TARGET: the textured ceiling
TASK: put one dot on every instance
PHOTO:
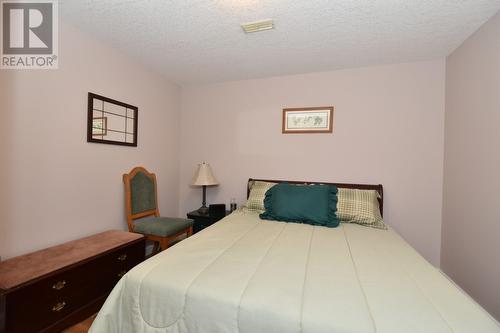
(200, 41)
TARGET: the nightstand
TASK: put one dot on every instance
(202, 221)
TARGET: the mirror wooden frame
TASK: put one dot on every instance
(90, 121)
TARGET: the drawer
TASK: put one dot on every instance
(115, 264)
(126, 257)
(36, 306)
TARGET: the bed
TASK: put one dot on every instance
(244, 274)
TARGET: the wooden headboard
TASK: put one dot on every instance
(377, 188)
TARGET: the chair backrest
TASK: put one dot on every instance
(140, 195)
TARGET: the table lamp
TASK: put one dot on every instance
(204, 177)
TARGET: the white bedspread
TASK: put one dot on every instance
(249, 276)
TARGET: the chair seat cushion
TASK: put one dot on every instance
(161, 226)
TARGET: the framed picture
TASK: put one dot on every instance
(308, 120)
(99, 126)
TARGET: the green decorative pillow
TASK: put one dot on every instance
(258, 191)
(360, 207)
(316, 205)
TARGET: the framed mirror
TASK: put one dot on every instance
(110, 121)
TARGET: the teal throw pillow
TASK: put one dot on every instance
(311, 204)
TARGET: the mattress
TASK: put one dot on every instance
(243, 275)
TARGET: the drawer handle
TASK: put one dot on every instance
(123, 257)
(59, 306)
(121, 274)
(59, 285)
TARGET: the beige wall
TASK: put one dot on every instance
(54, 185)
(388, 129)
(471, 206)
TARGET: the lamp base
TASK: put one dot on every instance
(203, 210)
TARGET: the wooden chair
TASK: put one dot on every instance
(143, 215)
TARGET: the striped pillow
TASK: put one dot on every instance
(360, 207)
(257, 195)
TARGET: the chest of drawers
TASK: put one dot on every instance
(51, 289)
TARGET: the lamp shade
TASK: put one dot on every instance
(204, 176)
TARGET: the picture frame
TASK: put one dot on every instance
(308, 120)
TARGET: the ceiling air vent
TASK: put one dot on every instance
(257, 26)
